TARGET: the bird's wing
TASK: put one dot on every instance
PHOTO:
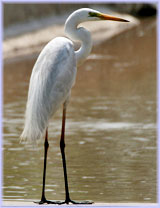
(52, 78)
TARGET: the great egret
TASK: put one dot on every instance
(51, 81)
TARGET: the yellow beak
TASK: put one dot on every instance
(109, 17)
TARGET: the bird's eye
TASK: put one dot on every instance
(93, 14)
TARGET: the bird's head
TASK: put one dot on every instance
(87, 14)
(94, 15)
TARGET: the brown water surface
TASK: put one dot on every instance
(110, 132)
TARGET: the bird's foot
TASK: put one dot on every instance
(68, 201)
(45, 201)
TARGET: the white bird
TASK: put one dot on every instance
(51, 81)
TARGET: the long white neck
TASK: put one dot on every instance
(80, 34)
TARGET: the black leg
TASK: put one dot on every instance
(43, 198)
(46, 146)
(62, 147)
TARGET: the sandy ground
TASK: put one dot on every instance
(29, 203)
(32, 41)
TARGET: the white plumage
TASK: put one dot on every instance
(52, 78)
(54, 72)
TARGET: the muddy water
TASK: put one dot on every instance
(111, 127)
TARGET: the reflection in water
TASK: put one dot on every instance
(110, 130)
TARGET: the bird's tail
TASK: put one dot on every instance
(35, 124)
(31, 135)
